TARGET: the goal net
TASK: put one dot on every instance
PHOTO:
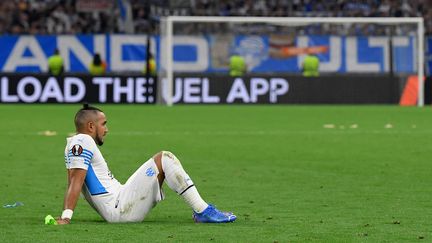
(348, 48)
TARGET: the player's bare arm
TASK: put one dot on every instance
(75, 182)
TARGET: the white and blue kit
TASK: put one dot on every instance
(113, 201)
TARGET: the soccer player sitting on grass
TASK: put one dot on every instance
(88, 172)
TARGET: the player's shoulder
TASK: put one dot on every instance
(81, 138)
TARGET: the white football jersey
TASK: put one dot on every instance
(100, 186)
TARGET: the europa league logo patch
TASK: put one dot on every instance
(77, 150)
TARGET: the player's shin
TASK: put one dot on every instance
(179, 181)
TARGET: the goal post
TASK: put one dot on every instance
(167, 31)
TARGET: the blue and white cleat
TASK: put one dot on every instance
(212, 215)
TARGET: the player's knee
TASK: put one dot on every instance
(167, 155)
(165, 159)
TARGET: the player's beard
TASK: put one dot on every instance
(99, 141)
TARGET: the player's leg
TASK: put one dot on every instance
(158, 161)
(179, 181)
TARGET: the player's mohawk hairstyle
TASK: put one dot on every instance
(87, 107)
(82, 115)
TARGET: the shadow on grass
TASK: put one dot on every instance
(146, 221)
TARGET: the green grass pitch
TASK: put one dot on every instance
(290, 173)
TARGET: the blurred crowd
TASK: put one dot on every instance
(53, 17)
(70, 17)
(323, 8)
(311, 8)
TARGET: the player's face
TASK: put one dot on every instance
(101, 128)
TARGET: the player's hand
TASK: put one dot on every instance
(61, 221)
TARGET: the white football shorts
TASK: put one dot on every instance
(138, 195)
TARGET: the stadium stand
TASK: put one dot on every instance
(67, 17)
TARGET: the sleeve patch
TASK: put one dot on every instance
(77, 150)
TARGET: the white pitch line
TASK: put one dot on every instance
(264, 133)
(239, 133)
